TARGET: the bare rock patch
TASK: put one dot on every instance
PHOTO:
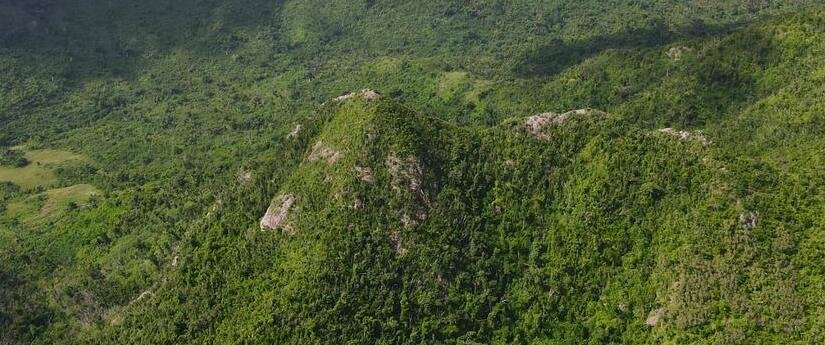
(344, 97)
(407, 180)
(365, 174)
(749, 220)
(655, 316)
(370, 95)
(367, 94)
(245, 176)
(395, 239)
(325, 153)
(295, 131)
(407, 174)
(686, 135)
(143, 295)
(277, 213)
(675, 53)
(536, 125)
(408, 221)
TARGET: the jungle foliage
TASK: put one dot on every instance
(433, 213)
(13, 158)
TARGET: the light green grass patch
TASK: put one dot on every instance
(49, 203)
(59, 198)
(39, 171)
(24, 208)
(48, 156)
(452, 83)
(386, 64)
(28, 177)
(7, 239)
(478, 89)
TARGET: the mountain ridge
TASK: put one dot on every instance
(473, 198)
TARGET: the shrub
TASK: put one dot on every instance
(13, 158)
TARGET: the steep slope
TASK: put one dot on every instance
(552, 227)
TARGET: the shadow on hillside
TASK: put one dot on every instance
(557, 55)
(112, 36)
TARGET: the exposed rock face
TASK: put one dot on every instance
(407, 221)
(686, 135)
(295, 131)
(364, 174)
(367, 94)
(676, 53)
(322, 152)
(143, 295)
(407, 174)
(654, 317)
(358, 204)
(277, 213)
(408, 182)
(537, 124)
(344, 97)
(749, 220)
(245, 176)
(395, 239)
(370, 95)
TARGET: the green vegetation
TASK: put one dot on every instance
(441, 211)
(13, 158)
(38, 167)
(33, 192)
(50, 202)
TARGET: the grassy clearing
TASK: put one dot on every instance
(39, 171)
(462, 86)
(478, 89)
(57, 199)
(28, 177)
(48, 156)
(24, 208)
(452, 83)
(49, 203)
(386, 64)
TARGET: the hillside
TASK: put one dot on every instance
(425, 231)
(525, 172)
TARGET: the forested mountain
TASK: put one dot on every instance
(381, 171)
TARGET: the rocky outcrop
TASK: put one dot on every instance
(364, 174)
(655, 316)
(686, 135)
(749, 220)
(675, 53)
(245, 176)
(295, 131)
(322, 152)
(536, 125)
(407, 175)
(277, 213)
(367, 94)
(395, 239)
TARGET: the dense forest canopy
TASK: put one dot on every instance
(382, 171)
